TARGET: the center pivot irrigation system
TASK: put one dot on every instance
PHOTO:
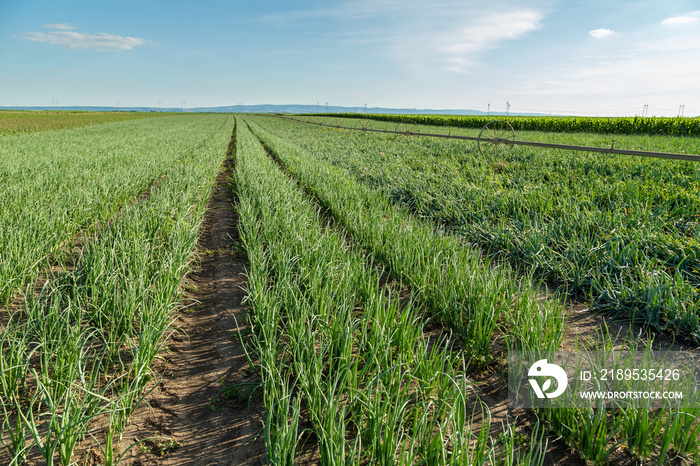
(499, 135)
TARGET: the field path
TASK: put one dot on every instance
(198, 420)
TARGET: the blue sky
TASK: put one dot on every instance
(573, 57)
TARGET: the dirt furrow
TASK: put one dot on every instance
(205, 409)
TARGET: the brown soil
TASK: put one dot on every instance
(206, 408)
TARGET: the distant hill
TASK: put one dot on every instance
(298, 108)
(269, 108)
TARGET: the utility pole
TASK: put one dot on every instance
(507, 108)
(326, 107)
(488, 109)
(645, 110)
(365, 107)
(681, 110)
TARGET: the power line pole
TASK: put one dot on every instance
(681, 110)
(645, 110)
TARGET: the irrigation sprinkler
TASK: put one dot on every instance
(363, 124)
(496, 136)
(408, 128)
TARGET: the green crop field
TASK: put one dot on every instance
(621, 232)
(387, 279)
(618, 233)
(82, 346)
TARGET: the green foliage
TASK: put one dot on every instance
(330, 338)
(56, 184)
(620, 232)
(93, 330)
(669, 126)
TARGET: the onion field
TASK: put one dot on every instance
(622, 232)
(461, 230)
(387, 279)
(80, 346)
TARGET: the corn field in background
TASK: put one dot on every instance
(667, 126)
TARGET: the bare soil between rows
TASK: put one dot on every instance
(204, 408)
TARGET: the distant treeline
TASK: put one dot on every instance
(676, 126)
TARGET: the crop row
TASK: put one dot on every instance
(368, 215)
(55, 184)
(459, 287)
(82, 348)
(330, 337)
(671, 126)
(623, 232)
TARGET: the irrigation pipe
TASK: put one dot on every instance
(511, 142)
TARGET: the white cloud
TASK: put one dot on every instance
(452, 35)
(679, 20)
(642, 68)
(462, 47)
(601, 33)
(60, 26)
(440, 35)
(101, 41)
